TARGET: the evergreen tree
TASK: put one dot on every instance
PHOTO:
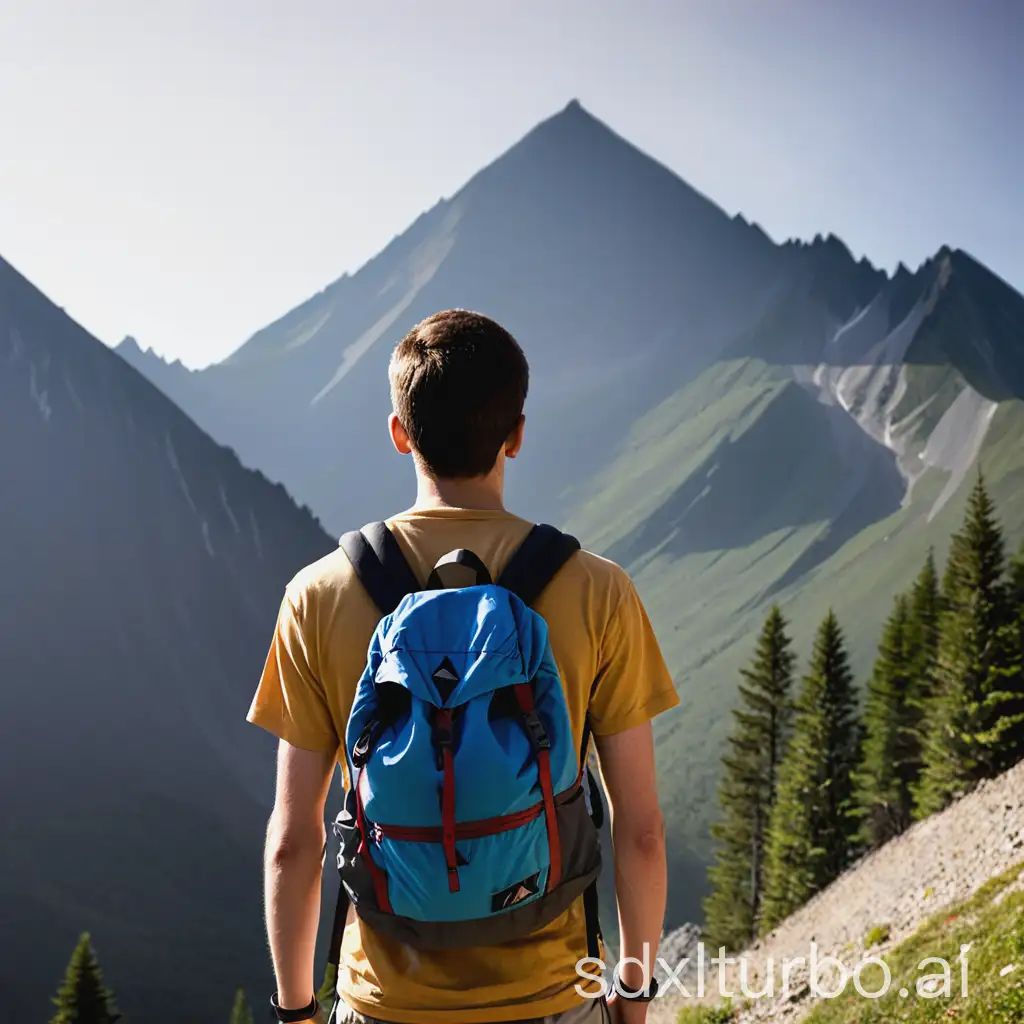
(891, 749)
(923, 631)
(1014, 751)
(924, 618)
(747, 790)
(812, 836)
(1017, 582)
(1017, 585)
(975, 715)
(83, 998)
(240, 1012)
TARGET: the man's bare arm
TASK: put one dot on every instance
(638, 838)
(292, 869)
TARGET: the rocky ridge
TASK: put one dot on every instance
(939, 862)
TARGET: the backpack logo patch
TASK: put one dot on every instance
(516, 893)
(445, 678)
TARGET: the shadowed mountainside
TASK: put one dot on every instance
(142, 570)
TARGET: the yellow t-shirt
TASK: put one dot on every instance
(609, 663)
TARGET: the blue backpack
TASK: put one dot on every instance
(465, 822)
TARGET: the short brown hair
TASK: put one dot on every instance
(458, 386)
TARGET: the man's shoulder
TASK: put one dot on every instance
(602, 583)
(601, 570)
(330, 574)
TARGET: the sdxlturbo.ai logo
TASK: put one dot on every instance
(825, 977)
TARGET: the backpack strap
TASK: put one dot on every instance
(539, 558)
(591, 912)
(545, 550)
(380, 565)
(381, 568)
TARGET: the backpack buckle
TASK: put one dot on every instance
(364, 745)
(536, 731)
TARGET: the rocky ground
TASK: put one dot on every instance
(890, 893)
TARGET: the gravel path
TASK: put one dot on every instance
(938, 862)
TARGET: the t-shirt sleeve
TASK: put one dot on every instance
(633, 683)
(290, 701)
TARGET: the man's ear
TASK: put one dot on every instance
(399, 437)
(515, 439)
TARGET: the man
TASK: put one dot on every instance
(458, 387)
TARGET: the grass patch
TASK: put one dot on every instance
(991, 923)
(877, 935)
(722, 1014)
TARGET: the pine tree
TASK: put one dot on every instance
(747, 790)
(1017, 584)
(1014, 750)
(240, 1012)
(891, 751)
(812, 836)
(975, 714)
(923, 631)
(83, 998)
(925, 609)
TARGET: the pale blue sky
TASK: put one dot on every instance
(187, 170)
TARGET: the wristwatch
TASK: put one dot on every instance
(641, 995)
(294, 1016)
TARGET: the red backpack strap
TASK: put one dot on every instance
(541, 746)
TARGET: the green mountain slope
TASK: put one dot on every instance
(746, 488)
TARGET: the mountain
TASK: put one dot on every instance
(812, 465)
(617, 277)
(142, 570)
(734, 420)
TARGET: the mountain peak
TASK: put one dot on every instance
(128, 344)
(574, 158)
(574, 111)
(573, 119)
(146, 360)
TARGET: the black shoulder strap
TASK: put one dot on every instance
(380, 565)
(534, 565)
(338, 927)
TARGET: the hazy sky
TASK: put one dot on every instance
(188, 170)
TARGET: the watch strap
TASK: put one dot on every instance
(295, 1016)
(642, 995)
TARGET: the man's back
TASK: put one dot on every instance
(609, 665)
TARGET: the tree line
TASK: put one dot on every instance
(83, 997)
(812, 781)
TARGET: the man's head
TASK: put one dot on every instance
(458, 385)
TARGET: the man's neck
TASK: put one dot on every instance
(482, 492)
